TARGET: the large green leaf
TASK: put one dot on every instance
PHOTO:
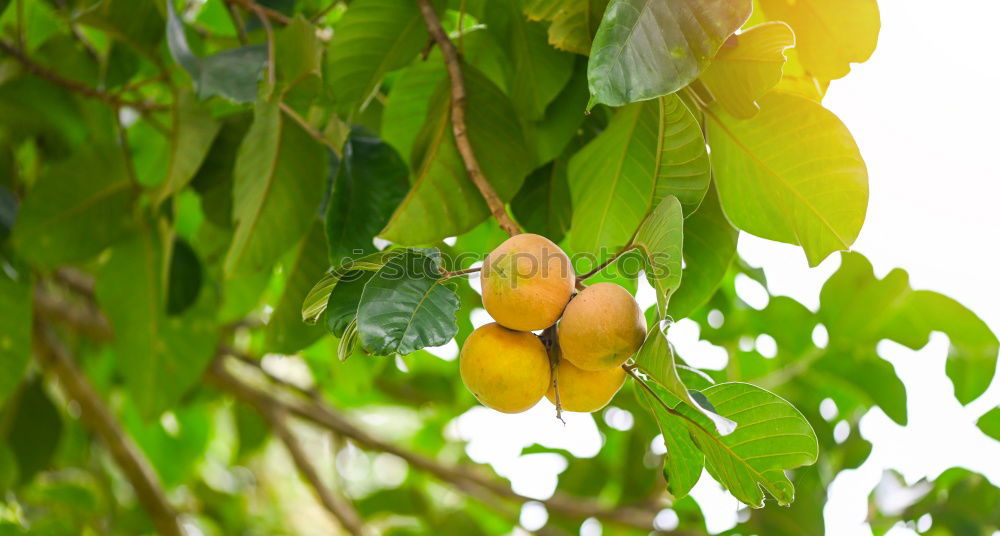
(15, 328)
(539, 71)
(231, 73)
(150, 346)
(656, 360)
(32, 427)
(373, 38)
(771, 437)
(371, 182)
(747, 66)
(74, 211)
(406, 107)
(661, 240)
(709, 250)
(551, 135)
(647, 48)
(649, 151)
(286, 332)
(406, 306)
(792, 173)
(192, 135)
(574, 22)
(317, 298)
(829, 36)
(278, 185)
(440, 180)
(683, 462)
(543, 204)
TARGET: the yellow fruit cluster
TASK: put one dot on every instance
(528, 285)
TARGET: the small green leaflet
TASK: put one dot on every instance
(661, 240)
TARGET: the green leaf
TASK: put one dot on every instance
(174, 452)
(139, 24)
(349, 342)
(374, 38)
(439, 178)
(316, 300)
(286, 333)
(371, 182)
(231, 73)
(32, 428)
(149, 345)
(72, 213)
(15, 328)
(656, 359)
(543, 204)
(771, 437)
(649, 151)
(342, 307)
(539, 71)
(406, 306)
(829, 37)
(574, 22)
(747, 66)
(192, 135)
(661, 239)
(972, 358)
(214, 180)
(877, 385)
(297, 53)
(989, 423)
(683, 462)
(792, 173)
(647, 48)
(552, 133)
(408, 103)
(709, 250)
(185, 278)
(278, 185)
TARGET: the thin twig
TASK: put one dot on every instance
(56, 359)
(266, 21)
(445, 274)
(458, 103)
(341, 509)
(77, 87)
(317, 135)
(606, 263)
(271, 14)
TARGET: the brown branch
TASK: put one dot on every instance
(463, 478)
(606, 263)
(77, 87)
(445, 274)
(458, 126)
(271, 14)
(341, 509)
(56, 359)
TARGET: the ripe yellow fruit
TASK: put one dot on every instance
(506, 370)
(585, 390)
(527, 282)
(601, 327)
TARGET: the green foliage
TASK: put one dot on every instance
(190, 188)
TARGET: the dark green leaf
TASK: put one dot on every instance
(231, 73)
(543, 205)
(33, 429)
(342, 308)
(73, 213)
(406, 306)
(184, 283)
(278, 184)
(316, 300)
(647, 48)
(371, 182)
(15, 328)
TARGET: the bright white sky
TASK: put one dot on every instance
(924, 111)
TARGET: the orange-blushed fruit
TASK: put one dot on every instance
(506, 370)
(527, 281)
(601, 327)
(585, 390)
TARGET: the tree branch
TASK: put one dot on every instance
(341, 509)
(56, 359)
(78, 87)
(458, 126)
(272, 14)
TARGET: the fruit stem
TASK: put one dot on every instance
(552, 347)
(445, 274)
